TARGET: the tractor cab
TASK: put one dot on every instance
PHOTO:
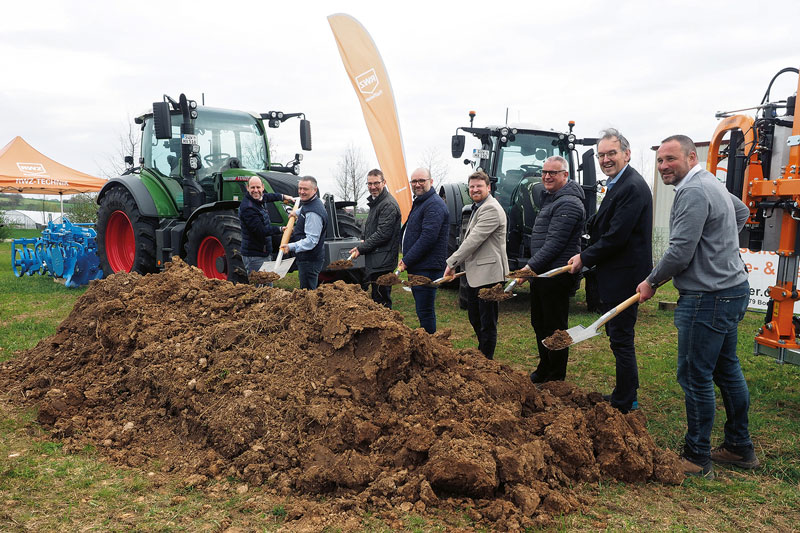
(513, 158)
(225, 140)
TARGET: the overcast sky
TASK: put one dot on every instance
(73, 73)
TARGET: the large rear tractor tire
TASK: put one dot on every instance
(126, 240)
(214, 245)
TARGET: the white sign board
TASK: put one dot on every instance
(762, 267)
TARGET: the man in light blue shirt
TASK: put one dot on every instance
(308, 239)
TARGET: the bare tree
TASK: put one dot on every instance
(432, 159)
(129, 145)
(351, 174)
(82, 208)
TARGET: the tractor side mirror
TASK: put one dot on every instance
(128, 160)
(305, 134)
(457, 145)
(162, 122)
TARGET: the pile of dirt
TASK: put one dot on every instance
(262, 278)
(340, 264)
(387, 280)
(522, 273)
(494, 293)
(415, 280)
(559, 340)
(321, 392)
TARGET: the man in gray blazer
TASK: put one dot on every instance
(483, 256)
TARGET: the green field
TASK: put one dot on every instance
(44, 489)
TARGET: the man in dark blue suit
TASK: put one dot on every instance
(425, 244)
(621, 252)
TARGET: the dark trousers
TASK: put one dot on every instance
(483, 317)
(549, 312)
(620, 331)
(425, 300)
(380, 294)
(308, 273)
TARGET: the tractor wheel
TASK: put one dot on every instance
(463, 299)
(348, 226)
(214, 245)
(126, 240)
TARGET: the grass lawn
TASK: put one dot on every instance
(44, 489)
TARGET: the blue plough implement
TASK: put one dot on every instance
(65, 250)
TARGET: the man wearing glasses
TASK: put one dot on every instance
(483, 255)
(425, 244)
(381, 244)
(555, 238)
(620, 251)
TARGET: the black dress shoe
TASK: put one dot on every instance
(536, 378)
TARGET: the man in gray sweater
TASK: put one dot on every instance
(704, 262)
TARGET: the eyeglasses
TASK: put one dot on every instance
(553, 173)
(610, 154)
(373, 183)
(419, 182)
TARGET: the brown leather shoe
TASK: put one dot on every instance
(695, 470)
(723, 455)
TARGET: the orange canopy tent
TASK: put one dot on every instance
(23, 169)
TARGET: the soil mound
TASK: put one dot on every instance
(319, 392)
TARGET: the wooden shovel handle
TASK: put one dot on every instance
(617, 310)
(559, 270)
(287, 232)
(622, 306)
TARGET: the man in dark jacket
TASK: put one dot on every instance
(308, 239)
(425, 244)
(621, 251)
(556, 237)
(381, 243)
(257, 231)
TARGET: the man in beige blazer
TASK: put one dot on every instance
(482, 255)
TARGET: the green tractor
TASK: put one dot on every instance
(513, 159)
(183, 198)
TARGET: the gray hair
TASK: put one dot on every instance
(687, 145)
(312, 179)
(558, 159)
(614, 134)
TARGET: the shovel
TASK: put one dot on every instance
(279, 266)
(342, 264)
(439, 281)
(393, 281)
(549, 274)
(559, 341)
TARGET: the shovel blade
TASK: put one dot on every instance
(579, 334)
(280, 269)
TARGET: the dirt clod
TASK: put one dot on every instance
(262, 278)
(523, 273)
(319, 393)
(340, 264)
(559, 340)
(415, 280)
(389, 279)
(494, 294)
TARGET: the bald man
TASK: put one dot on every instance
(257, 231)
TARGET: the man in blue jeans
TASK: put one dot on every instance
(425, 244)
(704, 262)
